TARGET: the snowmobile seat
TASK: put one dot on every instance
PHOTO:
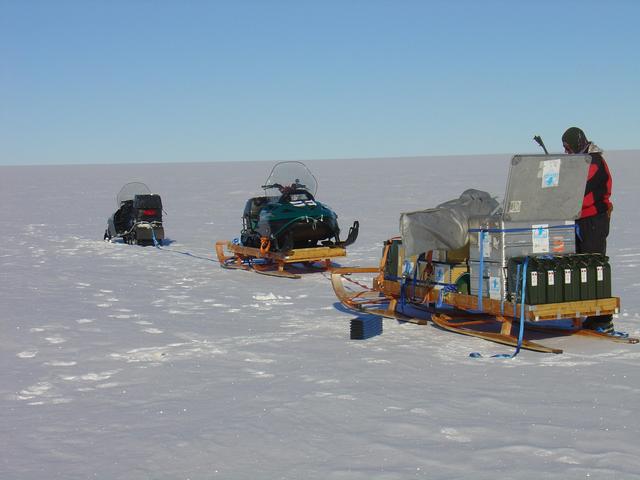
(253, 207)
(122, 219)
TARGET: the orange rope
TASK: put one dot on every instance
(358, 283)
(265, 245)
(428, 270)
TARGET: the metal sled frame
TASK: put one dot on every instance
(153, 234)
(493, 320)
(271, 263)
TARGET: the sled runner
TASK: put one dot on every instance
(277, 264)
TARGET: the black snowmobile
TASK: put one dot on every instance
(288, 216)
(138, 220)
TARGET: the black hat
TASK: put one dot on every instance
(575, 139)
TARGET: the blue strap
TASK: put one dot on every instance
(481, 275)
(403, 284)
(414, 282)
(155, 241)
(515, 300)
(446, 288)
(578, 234)
(403, 294)
(522, 318)
(440, 298)
(523, 229)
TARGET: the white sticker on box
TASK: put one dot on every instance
(551, 173)
(600, 273)
(494, 288)
(534, 279)
(439, 272)
(486, 246)
(407, 268)
(540, 238)
(567, 276)
(515, 206)
(551, 277)
(583, 275)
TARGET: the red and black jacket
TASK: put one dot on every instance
(598, 190)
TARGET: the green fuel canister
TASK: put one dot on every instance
(536, 282)
(587, 277)
(570, 278)
(603, 276)
(553, 277)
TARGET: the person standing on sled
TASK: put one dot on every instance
(593, 224)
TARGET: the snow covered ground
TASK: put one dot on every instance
(126, 362)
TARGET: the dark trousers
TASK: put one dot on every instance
(591, 237)
(592, 233)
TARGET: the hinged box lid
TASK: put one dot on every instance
(549, 187)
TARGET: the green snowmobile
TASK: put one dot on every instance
(288, 216)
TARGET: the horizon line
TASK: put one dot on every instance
(399, 157)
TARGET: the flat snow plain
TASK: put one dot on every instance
(126, 362)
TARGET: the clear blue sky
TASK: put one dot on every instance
(117, 81)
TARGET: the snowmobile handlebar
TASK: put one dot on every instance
(282, 189)
(274, 185)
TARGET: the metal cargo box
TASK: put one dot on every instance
(505, 240)
(493, 279)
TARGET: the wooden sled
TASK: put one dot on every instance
(278, 264)
(492, 320)
(367, 300)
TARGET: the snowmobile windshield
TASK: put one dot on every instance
(290, 176)
(130, 190)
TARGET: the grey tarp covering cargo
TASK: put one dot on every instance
(446, 226)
